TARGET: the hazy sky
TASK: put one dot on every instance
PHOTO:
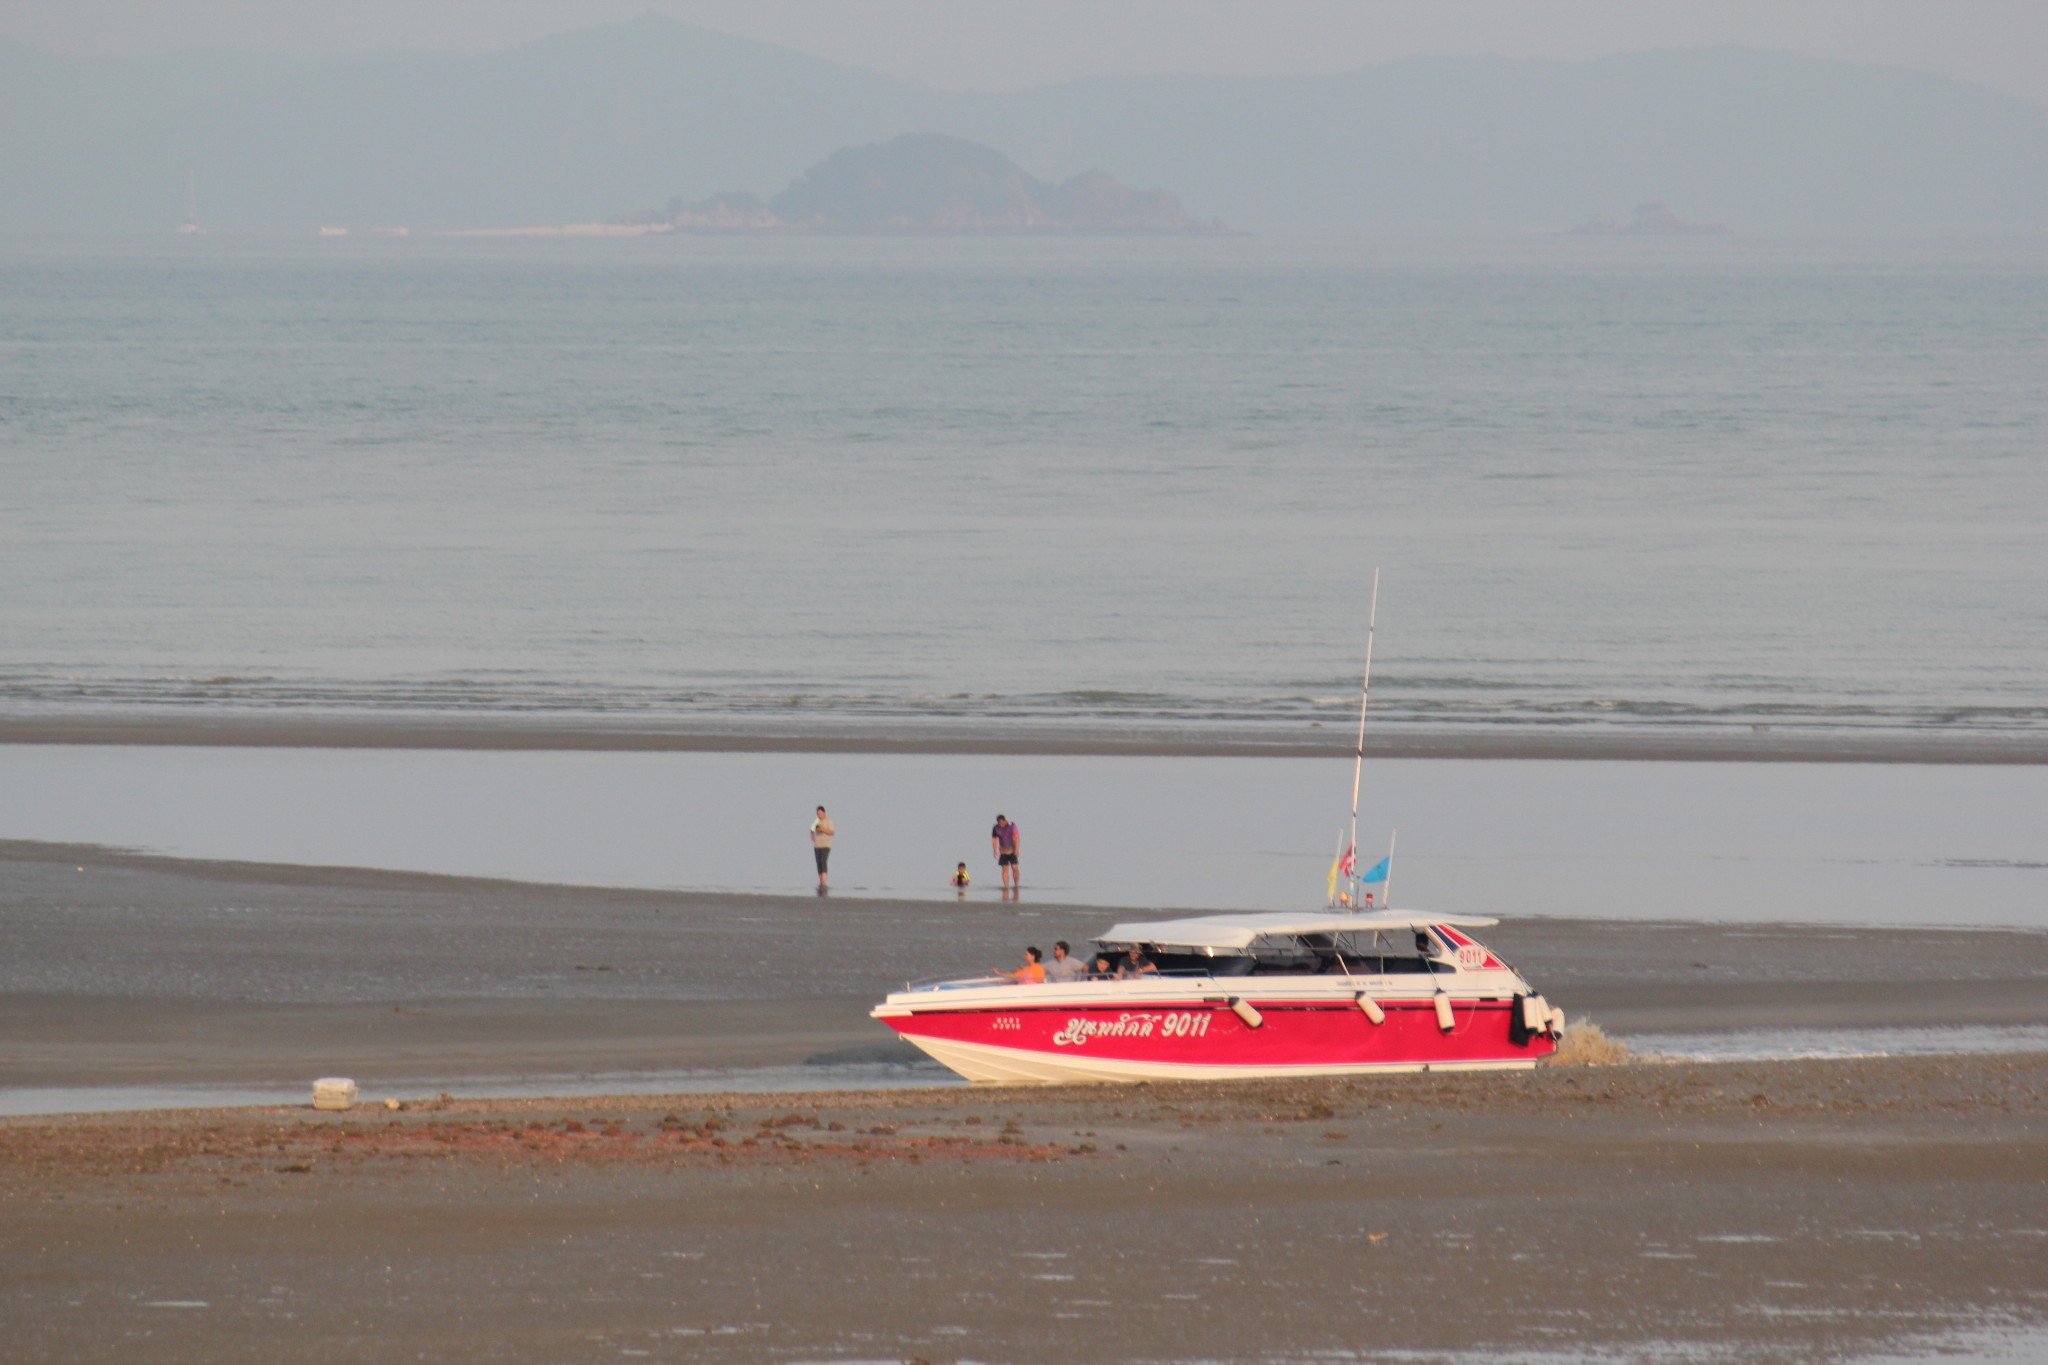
(1009, 44)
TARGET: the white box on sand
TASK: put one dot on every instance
(334, 1092)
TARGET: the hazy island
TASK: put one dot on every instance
(931, 183)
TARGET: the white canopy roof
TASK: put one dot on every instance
(1238, 931)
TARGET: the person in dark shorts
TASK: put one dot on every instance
(821, 843)
(1003, 841)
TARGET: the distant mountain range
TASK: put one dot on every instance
(601, 122)
(931, 183)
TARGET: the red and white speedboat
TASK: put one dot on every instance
(1250, 995)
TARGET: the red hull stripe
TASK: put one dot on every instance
(1209, 1035)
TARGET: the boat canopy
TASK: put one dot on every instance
(1241, 931)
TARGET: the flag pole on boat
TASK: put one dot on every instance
(1337, 868)
(1358, 765)
(1387, 881)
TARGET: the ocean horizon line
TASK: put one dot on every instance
(1389, 738)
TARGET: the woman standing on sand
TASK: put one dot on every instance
(821, 844)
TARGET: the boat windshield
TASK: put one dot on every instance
(1375, 952)
(1360, 954)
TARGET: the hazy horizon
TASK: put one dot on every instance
(615, 119)
(999, 46)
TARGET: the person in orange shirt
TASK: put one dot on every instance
(1032, 973)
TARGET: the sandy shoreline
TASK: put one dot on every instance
(947, 737)
(120, 968)
(1781, 1212)
(1786, 1211)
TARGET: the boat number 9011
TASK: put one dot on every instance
(1171, 1025)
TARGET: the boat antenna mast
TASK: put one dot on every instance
(1358, 763)
(1387, 882)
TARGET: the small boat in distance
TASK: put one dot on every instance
(191, 227)
(1332, 993)
(1253, 995)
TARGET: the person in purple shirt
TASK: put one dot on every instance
(1003, 841)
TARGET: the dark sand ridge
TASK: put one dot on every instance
(122, 968)
(1705, 743)
(1804, 1211)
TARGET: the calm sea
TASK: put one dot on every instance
(1611, 482)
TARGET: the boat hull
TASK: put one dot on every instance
(1213, 1041)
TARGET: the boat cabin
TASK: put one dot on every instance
(1386, 943)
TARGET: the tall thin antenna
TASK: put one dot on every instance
(1387, 882)
(1358, 766)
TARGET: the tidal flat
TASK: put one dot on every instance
(1790, 1211)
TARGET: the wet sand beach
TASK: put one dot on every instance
(1798, 1211)
(123, 969)
(1794, 1211)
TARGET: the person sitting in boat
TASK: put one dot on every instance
(1134, 964)
(1032, 973)
(1064, 968)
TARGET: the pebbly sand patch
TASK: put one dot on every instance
(1762, 1212)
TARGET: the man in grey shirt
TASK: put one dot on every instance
(1064, 966)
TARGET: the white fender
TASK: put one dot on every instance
(1371, 1008)
(334, 1092)
(1243, 1010)
(1443, 1013)
(1535, 1014)
(1557, 1022)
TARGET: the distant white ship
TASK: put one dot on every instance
(333, 232)
(191, 227)
(390, 232)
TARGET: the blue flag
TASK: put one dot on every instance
(1378, 871)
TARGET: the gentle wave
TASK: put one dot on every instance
(1085, 484)
(32, 695)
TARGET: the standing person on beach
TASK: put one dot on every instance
(821, 844)
(1003, 841)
